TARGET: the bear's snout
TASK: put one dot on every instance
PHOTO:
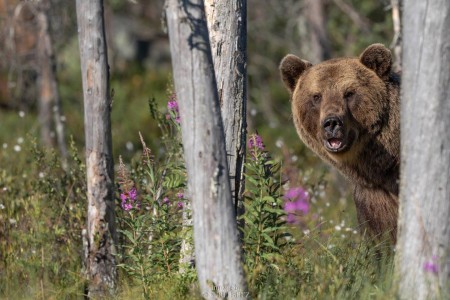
(332, 125)
(335, 135)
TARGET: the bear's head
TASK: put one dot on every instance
(339, 104)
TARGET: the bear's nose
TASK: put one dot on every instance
(330, 124)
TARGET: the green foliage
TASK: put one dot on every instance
(264, 233)
(43, 207)
(152, 232)
(42, 214)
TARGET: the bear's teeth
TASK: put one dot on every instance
(335, 143)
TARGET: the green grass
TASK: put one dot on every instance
(44, 211)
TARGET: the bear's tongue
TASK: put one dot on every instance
(335, 143)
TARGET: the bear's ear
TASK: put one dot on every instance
(291, 67)
(377, 58)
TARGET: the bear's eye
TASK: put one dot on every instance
(317, 98)
(349, 94)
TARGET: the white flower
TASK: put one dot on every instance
(129, 146)
(279, 143)
(5, 145)
(20, 140)
(21, 114)
(2, 206)
(17, 148)
(337, 227)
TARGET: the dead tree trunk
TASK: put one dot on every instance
(49, 100)
(423, 256)
(101, 235)
(227, 27)
(396, 6)
(217, 250)
(318, 47)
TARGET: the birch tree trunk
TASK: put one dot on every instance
(101, 235)
(423, 250)
(217, 250)
(227, 27)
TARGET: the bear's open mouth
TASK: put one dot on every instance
(335, 144)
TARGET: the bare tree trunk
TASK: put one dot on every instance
(227, 27)
(396, 6)
(217, 250)
(49, 99)
(101, 234)
(317, 48)
(423, 259)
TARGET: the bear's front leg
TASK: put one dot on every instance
(377, 211)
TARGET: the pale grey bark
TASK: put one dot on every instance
(316, 45)
(423, 249)
(227, 27)
(101, 235)
(396, 6)
(49, 99)
(217, 250)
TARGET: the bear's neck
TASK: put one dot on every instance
(378, 164)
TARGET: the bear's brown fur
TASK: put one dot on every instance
(347, 111)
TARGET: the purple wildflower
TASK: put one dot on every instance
(180, 195)
(166, 200)
(129, 199)
(172, 105)
(180, 205)
(255, 141)
(431, 266)
(296, 201)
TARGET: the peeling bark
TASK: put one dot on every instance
(101, 233)
(227, 27)
(217, 249)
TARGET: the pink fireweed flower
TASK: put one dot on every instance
(172, 105)
(255, 143)
(431, 266)
(296, 201)
(129, 200)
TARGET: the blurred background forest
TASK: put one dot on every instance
(140, 67)
(140, 70)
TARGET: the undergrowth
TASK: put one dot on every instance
(297, 245)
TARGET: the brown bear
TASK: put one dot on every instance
(347, 111)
